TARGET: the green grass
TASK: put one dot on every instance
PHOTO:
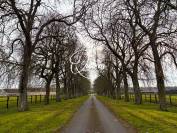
(146, 118)
(40, 118)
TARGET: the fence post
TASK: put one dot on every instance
(35, 98)
(150, 98)
(7, 104)
(130, 96)
(17, 100)
(170, 99)
(155, 98)
(40, 98)
(31, 98)
(145, 97)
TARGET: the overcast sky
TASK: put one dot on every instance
(66, 7)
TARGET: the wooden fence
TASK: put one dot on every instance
(12, 101)
(171, 99)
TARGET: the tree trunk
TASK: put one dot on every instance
(112, 90)
(113, 93)
(125, 86)
(58, 98)
(118, 90)
(138, 96)
(118, 82)
(23, 101)
(69, 92)
(159, 77)
(47, 95)
(65, 88)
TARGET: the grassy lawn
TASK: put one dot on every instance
(147, 118)
(40, 118)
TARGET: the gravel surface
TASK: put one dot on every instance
(94, 117)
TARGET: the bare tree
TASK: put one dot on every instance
(151, 27)
(29, 25)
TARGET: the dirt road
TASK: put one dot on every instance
(94, 117)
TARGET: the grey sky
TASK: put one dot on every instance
(65, 7)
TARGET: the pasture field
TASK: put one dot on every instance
(146, 118)
(40, 118)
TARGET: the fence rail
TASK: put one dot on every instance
(171, 99)
(12, 101)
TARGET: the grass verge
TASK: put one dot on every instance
(146, 118)
(40, 118)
